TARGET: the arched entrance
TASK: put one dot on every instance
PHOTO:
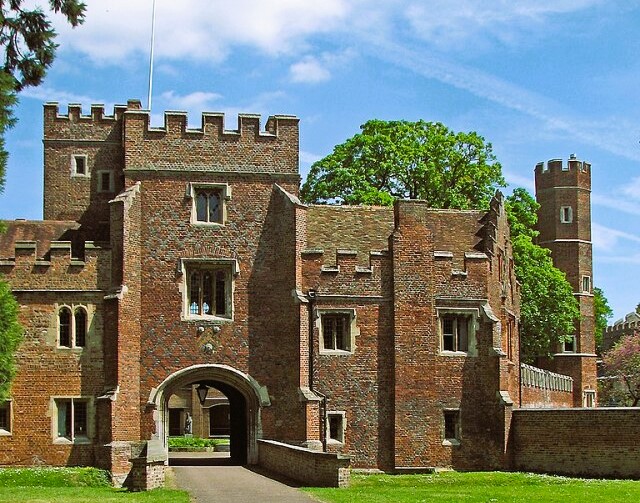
(246, 398)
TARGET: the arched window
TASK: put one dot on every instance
(80, 326)
(64, 327)
(72, 327)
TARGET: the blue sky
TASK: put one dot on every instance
(538, 79)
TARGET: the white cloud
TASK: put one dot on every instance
(48, 94)
(309, 70)
(616, 203)
(607, 239)
(632, 189)
(197, 29)
(314, 69)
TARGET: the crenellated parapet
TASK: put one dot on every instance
(211, 147)
(58, 265)
(460, 276)
(346, 274)
(74, 125)
(558, 173)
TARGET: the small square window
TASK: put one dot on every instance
(586, 284)
(105, 181)
(79, 166)
(336, 426)
(569, 345)
(208, 202)
(71, 419)
(452, 426)
(457, 331)
(337, 330)
(566, 214)
(5, 417)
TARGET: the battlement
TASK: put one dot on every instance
(556, 166)
(346, 261)
(55, 252)
(74, 112)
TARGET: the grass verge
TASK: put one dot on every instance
(46, 484)
(493, 487)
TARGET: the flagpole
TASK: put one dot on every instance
(153, 33)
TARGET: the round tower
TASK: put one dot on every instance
(563, 190)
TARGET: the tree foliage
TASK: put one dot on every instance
(548, 308)
(622, 366)
(391, 160)
(602, 313)
(10, 338)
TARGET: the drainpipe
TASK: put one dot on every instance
(312, 296)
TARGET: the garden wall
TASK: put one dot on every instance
(595, 442)
(313, 468)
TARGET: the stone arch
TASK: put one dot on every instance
(244, 392)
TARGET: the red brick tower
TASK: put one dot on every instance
(563, 191)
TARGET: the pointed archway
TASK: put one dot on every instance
(246, 399)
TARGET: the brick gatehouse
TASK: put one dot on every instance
(171, 259)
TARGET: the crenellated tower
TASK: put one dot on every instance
(563, 190)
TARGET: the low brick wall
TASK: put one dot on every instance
(312, 468)
(598, 442)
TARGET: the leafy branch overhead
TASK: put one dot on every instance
(27, 38)
(391, 160)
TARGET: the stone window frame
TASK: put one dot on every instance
(351, 328)
(6, 410)
(100, 175)
(472, 315)
(451, 427)
(85, 163)
(566, 214)
(341, 417)
(72, 437)
(589, 398)
(230, 268)
(191, 192)
(74, 333)
(569, 344)
(586, 284)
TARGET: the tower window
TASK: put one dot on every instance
(105, 181)
(452, 427)
(209, 291)
(336, 427)
(586, 284)
(208, 202)
(72, 327)
(79, 166)
(566, 214)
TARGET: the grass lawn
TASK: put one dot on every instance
(486, 487)
(39, 485)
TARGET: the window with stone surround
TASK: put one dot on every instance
(337, 330)
(208, 202)
(566, 214)
(589, 398)
(72, 327)
(5, 417)
(457, 331)
(79, 165)
(586, 284)
(451, 427)
(71, 420)
(336, 426)
(209, 290)
(105, 181)
(569, 344)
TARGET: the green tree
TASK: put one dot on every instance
(602, 312)
(27, 41)
(548, 307)
(10, 338)
(391, 160)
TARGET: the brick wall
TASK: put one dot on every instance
(313, 468)
(579, 442)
